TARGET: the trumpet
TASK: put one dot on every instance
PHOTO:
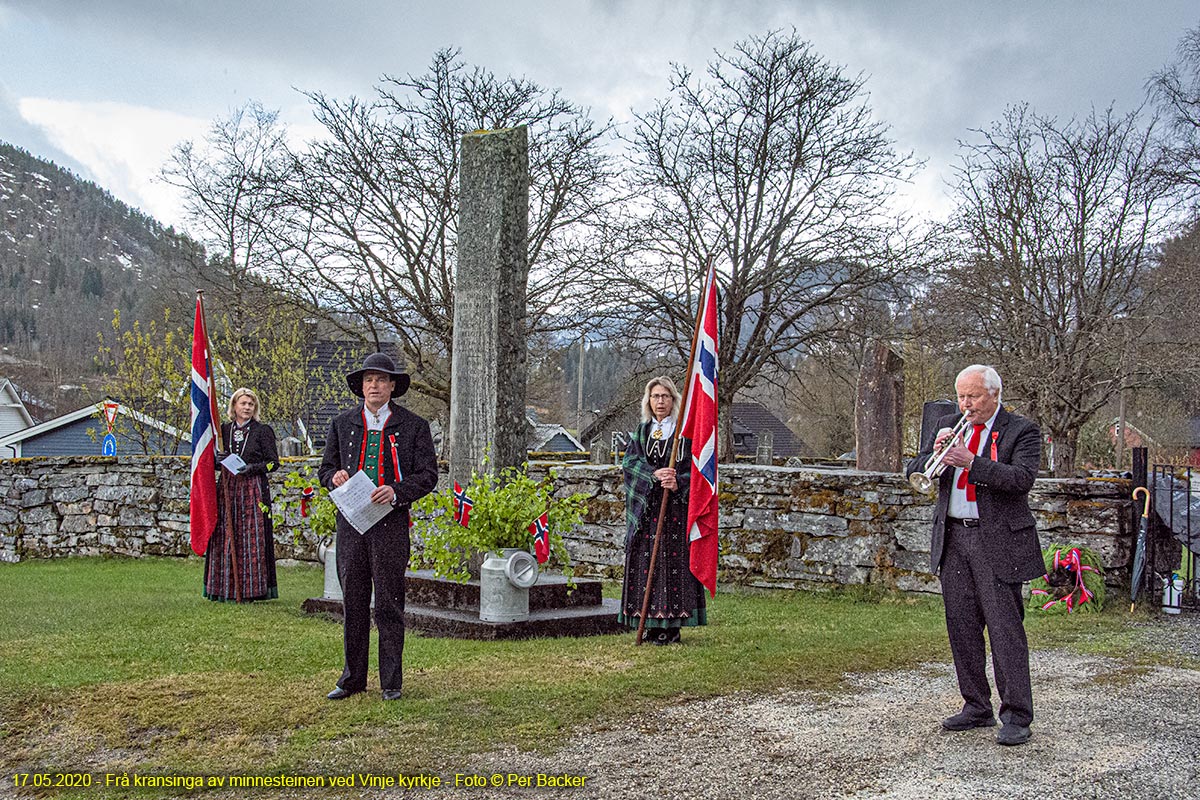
(925, 482)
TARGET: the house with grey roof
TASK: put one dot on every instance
(751, 420)
(82, 433)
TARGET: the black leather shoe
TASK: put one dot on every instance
(391, 694)
(341, 694)
(1011, 733)
(962, 721)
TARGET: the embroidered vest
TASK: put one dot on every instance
(371, 450)
(370, 454)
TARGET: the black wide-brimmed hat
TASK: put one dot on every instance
(378, 362)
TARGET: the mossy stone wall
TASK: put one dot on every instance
(780, 527)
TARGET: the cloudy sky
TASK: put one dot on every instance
(108, 87)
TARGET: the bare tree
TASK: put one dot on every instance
(1057, 226)
(1173, 314)
(374, 205)
(274, 356)
(1177, 91)
(146, 368)
(773, 166)
(232, 183)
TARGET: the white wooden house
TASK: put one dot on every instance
(13, 414)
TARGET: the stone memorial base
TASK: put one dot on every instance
(438, 607)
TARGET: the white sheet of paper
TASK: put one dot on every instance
(233, 462)
(353, 499)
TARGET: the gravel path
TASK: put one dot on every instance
(1104, 729)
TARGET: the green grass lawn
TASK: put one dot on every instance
(115, 665)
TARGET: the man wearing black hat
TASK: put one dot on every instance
(394, 447)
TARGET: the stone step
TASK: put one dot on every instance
(550, 591)
(454, 623)
(574, 621)
(438, 607)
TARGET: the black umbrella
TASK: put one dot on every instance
(1139, 551)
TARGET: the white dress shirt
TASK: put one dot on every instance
(376, 420)
(960, 506)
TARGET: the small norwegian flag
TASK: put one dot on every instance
(540, 528)
(462, 505)
(306, 496)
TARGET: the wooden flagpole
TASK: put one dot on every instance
(666, 494)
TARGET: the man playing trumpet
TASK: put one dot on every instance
(984, 546)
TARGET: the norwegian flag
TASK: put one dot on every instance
(700, 425)
(462, 505)
(306, 496)
(540, 528)
(202, 501)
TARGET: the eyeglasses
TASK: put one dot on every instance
(661, 397)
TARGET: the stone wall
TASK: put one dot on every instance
(785, 527)
(780, 527)
(93, 505)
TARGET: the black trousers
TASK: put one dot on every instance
(975, 599)
(376, 558)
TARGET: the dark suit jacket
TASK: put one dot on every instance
(1007, 527)
(414, 450)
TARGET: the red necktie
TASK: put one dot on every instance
(973, 446)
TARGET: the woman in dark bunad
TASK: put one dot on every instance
(677, 598)
(239, 564)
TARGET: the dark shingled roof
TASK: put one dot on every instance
(747, 422)
(622, 419)
(753, 419)
(328, 367)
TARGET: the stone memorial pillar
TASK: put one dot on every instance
(488, 368)
(879, 410)
(765, 452)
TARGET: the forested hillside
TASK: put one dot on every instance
(71, 254)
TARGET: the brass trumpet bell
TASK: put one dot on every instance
(925, 481)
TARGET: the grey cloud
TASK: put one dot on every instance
(16, 131)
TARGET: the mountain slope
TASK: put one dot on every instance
(71, 253)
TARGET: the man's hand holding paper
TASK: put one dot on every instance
(355, 498)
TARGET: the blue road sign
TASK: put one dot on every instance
(110, 445)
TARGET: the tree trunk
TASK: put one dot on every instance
(879, 410)
(1062, 454)
(725, 451)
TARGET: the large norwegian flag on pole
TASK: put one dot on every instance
(700, 425)
(203, 496)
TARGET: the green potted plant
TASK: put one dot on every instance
(307, 499)
(306, 503)
(503, 508)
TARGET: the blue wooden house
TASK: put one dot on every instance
(84, 432)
